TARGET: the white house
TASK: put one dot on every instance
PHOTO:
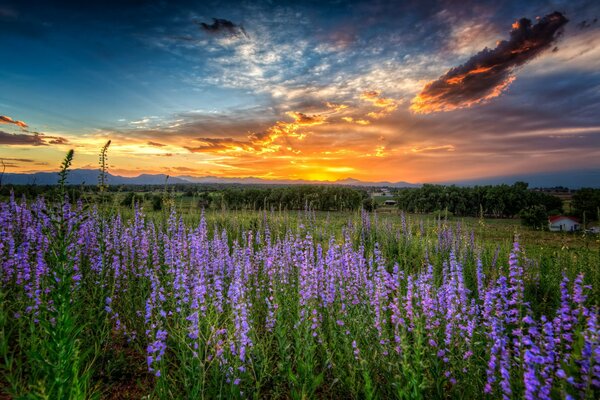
(563, 223)
(390, 202)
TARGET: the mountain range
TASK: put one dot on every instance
(571, 179)
(90, 177)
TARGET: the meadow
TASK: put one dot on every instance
(105, 301)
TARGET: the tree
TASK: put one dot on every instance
(534, 216)
(586, 201)
(130, 199)
(157, 203)
(204, 200)
(369, 205)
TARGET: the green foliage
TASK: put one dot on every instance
(64, 172)
(534, 217)
(204, 200)
(586, 202)
(130, 199)
(103, 162)
(157, 202)
(369, 204)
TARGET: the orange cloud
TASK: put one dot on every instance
(8, 120)
(306, 120)
(488, 73)
(155, 144)
(446, 147)
(336, 107)
(269, 141)
(386, 105)
(356, 121)
(218, 145)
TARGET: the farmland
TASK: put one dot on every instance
(111, 301)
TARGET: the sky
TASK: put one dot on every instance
(416, 91)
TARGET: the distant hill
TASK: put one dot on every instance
(90, 177)
(87, 177)
(254, 180)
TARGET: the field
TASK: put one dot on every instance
(104, 301)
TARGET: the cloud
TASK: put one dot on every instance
(446, 147)
(356, 121)
(216, 145)
(335, 106)
(20, 160)
(386, 105)
(266, 141)
(273, 139)
(223, 26)
(8, 120)
(53, 139)
(21, 139)
(488, 73)
(28, 137)
(155, 144)
(35, 139)
(307, 120)
(587, 24)
(184, 169)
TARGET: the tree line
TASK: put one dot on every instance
(232, 197)
(498, 201)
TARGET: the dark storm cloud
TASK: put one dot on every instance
(545, 114)
(223, 26)
(490, 71)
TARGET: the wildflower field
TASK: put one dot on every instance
(98, 302)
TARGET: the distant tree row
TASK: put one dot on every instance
(499, 201)
(296, 197)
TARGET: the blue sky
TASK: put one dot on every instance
(312, 90)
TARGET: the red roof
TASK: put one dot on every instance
(555, 218)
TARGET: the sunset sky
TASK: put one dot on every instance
(417, 91)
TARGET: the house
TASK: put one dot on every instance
(389, 202)
(563, 223)
(381, 193)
